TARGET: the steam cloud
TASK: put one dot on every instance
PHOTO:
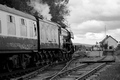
(42, 9)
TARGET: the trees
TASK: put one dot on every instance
(118, 47)
(104, 46)
(21, 5)
(58, 10)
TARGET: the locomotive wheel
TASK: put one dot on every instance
(37, 64)
(9, 66)
(46, 57)
(23, 62)
(41, 58)
(23, 65)
(51, 57)
(54, 59)
(36, 60)
(60, 56)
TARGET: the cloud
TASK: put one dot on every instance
(88, 38)
(89, 26)
(115, 33)
(82, 10)
(94, 26)
(88, 19)
(112, 24)
(95, 36)
(92, 38)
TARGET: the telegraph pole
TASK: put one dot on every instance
(105, 30)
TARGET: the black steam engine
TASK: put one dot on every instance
(26, 40)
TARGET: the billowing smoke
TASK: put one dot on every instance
(42, 9)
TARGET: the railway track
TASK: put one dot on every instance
(57, 71)
(69, 65)
(83, 71)
(47, 74)
(61, 70)
(17, 73)
(25, 73)
(53, 68)
(45, 71)
(79, 73)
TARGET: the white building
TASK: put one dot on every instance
(110, 42)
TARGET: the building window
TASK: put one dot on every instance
(23, 28)
(35, 29)
(0, 27)
(22, 21)
(10, 19)
(11, 25)
(31, 29)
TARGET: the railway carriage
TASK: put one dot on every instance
(26, 40)
(18, 38)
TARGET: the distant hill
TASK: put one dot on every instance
(87, 45)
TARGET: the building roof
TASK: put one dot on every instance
(107, 36)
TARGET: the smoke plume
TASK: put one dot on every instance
(42, 9)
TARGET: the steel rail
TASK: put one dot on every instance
(30, 75)
(35, 72)
(16, 73)
(68, 71)
(63, 69)
(91, 72)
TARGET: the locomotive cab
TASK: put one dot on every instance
(66, 42)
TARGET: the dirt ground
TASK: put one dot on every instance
(110, 72)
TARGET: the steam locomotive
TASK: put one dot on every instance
(26, 40)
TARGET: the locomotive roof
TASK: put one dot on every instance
(16, 12)
(64, 29)
(50, 22)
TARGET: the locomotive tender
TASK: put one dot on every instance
(26, 40)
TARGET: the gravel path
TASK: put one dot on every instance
(110, 72)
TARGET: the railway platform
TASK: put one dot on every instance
(95, 53)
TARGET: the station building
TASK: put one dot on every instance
(109, 43)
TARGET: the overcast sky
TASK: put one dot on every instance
(88, 19)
